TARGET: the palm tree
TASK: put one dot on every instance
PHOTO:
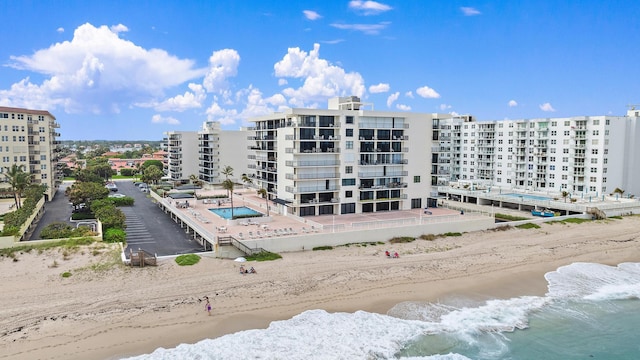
(246, 180)
(19, 180)
(227, 171)
(228, 185)
(263, 192)
(564, 195)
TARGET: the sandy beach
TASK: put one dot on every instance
(105, 311)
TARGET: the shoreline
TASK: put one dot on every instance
(123, 312)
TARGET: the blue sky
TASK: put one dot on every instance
(128, 70)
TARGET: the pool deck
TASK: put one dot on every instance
(281, 225)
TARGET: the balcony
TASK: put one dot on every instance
(310, 189)
(313, 163)
(312, 176)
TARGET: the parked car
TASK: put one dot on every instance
(117, 195)
(111, 186)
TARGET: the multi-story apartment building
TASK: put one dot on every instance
(580, 155)
(28, 139)
(218, 149)
(182, 149)
(343, 159)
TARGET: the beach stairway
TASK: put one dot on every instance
(230, 247)
(142, 258)
(596, 213)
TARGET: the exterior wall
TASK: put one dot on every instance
(182, 147)
(220, 148)
(28, 138)
(582, 155)
(233, 152)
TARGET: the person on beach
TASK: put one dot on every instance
(242, 270)
(207, 305)
(252, 271)
(387, 253)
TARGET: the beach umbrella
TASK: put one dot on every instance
(240, 259)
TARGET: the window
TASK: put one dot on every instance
(416, 179)
(43, 157)
(593, 179)
(593, 170)
(349, 132)
(565, 168)
(349, 120)
(596, 132)
(567, 123)
(348, 145)
(348, 194)
(348, 169)
(552, 167)
(23, 158)
(348, 208)
(348, 182)
(596, 122)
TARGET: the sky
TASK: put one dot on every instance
(132, 70)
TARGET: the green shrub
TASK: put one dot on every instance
(187, 259)
(114, 235)
(263, 256)
(401, 239)
(510, 217)
(127, 172)
(428, 237)
(528, 226)
(66, 274)
(327, 247)
(60, 230)
(246, 216)
(452, 234)
(122, 201)
(82, 216)
(575, 220)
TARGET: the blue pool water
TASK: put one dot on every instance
(225, 213)
(528, 197)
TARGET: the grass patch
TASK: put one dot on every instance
(528, 226)
(264, 256)
(452, 234)
(509, 217)
(615, 217)
(428, 237)
(66, 274)
(401, 239)
(575, 221)
(187, 259)
(71, 244)
(323, 248)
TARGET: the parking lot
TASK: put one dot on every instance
(148, 228)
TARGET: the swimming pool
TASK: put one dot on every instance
(225, 212)
(528, 197)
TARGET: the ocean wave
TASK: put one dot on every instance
(592, 281)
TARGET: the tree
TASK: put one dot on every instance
(263, 192)
(564, 195)
(226, 171)
(156, 163)
(19, 180)
(246, 180)
(86, 192)
(228, 185)
(152, 174)
(86, 175)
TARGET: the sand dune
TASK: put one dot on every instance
(109, 312)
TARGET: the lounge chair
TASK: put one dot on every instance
(304, 230)
(293, 232)
(258, 234)
(251, 234)
(241, 236)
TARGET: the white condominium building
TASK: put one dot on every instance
(580, 155)
(218, 149)
(343, 159)
(28, 139)
(182, 147)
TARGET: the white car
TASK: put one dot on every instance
(117, 195)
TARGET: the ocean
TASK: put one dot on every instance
(591, 311)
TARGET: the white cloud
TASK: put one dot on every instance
(380, 88)
(332, 42)
(159, 119)
(369, 29)
(118, 28)
(321, 79)
(282, 82)
(409, 94)
(311, 15)
(469, 11)
(368, 7)
(444, 107)
(427, 92)
(190, 100)
(547, 107)
(97, 72)
(224, 116)
(392, 98)
(403, 107)
(222, 65)
(60, 29)
(513, 103)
